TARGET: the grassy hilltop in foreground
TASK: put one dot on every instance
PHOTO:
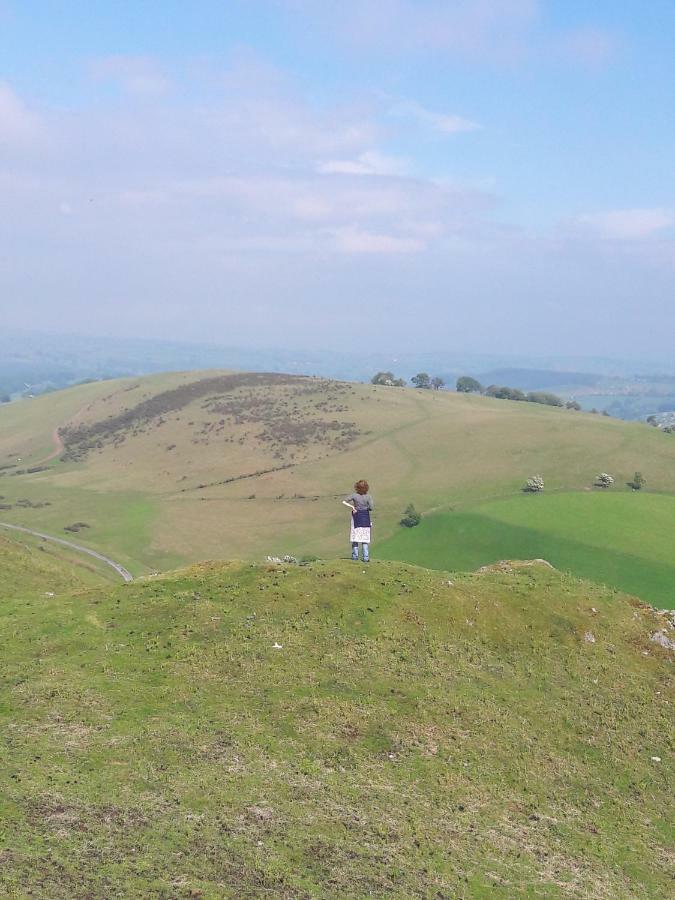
(164, 470)
(333, 731)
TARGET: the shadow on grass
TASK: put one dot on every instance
(467, 541)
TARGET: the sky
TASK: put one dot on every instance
(486, 176)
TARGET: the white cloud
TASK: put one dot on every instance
(368, 163)
(141, 76)
(18, 125)
(356, 240)
(468, 27)
(487, 31)
(626, 224)
(443, 122)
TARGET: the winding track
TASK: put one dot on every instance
(126, 575)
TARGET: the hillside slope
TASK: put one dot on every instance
(186, 466)
(334, 731)
(28, 565)
(622, 539)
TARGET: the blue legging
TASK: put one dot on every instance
(365, 551)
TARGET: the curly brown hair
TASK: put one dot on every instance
(361, 487)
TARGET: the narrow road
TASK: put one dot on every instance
(126, 575)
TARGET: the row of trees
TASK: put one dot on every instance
(422, 380)
(468, 385)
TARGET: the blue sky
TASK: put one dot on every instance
(474, 174)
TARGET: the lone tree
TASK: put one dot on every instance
(421, 380)
(382, 378)
(387, 378)
(573, 404)
(638, 482)
(604, 480)
(437, 383)
(534, 484)
(468, 385)
(411, 517)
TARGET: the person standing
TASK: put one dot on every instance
(361, 504)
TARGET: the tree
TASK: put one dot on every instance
(468, 385)
(387, 378)
(572, 404)
(652, 420)
(437, 383)
(545, 398)
(421, 380)
(411, 517)
(4, 398)
(504, 392)
(604, 480)
(382, 378)
(638, 482)
(534, 484)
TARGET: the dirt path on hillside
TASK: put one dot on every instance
(59, 446)
(126, 575)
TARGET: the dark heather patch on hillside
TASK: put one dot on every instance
(286, 424)
(251, 398)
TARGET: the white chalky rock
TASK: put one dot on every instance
(589, 637)
(661, 638)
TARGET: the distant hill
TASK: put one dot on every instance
(167, 469)
(35, 362)
(334, 731)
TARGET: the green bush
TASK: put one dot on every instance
(411, 517)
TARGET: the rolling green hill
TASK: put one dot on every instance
(334, 731)
(169, 469)
(622, 539)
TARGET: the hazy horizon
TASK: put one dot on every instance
(461, 176)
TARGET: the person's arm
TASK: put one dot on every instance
(371, 505)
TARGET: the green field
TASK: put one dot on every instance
(624, 540)
(181, 467)
(409, 737)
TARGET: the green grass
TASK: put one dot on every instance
(153, 508)
(622, 539)
(412, 738)
(30, 566)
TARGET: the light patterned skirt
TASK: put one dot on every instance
(359, 535)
